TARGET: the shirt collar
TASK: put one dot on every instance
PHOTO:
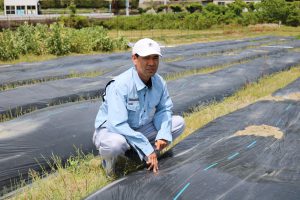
(138, 81)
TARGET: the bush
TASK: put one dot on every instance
(141, 10)
(58, 42)
(1, 4)
(121, 43)
(293, 18)
(31, 39)
(41, 36)
(73, 9)
(8, 46)
(194, 7)
(198, 21)
(213, 8)
(237, 7)
(176, 8)
(103, 43)
(249, 18)
(26, 41)
(92, 39)
(228, 18)
(80, 4)
(80, 41)
(273, 11)
(75, 21)
(161, 8)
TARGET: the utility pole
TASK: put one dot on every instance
(109, 8)
(127, 7)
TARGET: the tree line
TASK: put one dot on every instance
(195, 16)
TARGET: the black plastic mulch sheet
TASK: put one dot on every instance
(198, 49)
(31, 140)
(197, 90)
(59, 91)
(62, 67)
(293, 87)
(34, 137)
(212, 163)
(197, 62)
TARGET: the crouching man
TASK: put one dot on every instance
(136, 111)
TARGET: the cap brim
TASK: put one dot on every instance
(149, 53)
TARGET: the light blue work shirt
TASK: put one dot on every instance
(129, 104)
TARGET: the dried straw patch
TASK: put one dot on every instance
(262, 130)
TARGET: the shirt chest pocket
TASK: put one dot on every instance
(133, 106)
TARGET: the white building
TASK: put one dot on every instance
(224, 2)
(21, 7)
(145, 3)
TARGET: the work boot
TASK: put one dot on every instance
(109, 167)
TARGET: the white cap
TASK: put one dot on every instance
(146, 47)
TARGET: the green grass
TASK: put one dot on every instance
(83, 175)
(80, 176)
(29, 58)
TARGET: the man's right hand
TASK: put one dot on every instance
(152, 162)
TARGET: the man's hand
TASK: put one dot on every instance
(152, 162)
(161, 144)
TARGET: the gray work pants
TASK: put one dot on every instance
(111, 145)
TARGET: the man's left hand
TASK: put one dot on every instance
(161, 144)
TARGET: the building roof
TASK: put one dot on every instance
(18, 2)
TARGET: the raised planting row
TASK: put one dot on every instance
(292, 91)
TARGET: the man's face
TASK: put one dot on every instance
(146, 66)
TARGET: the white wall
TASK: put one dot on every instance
(26, 3)
(20, 2)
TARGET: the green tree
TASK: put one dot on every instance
(72, 8)
(1, 4)
(237, 7)
(273, 11)
(193, 7)
(176, 8)
(293, 18)
(213, 8)
(161, 8)
(251, 7)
